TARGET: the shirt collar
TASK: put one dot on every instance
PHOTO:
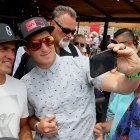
(55, 65)
(52, 69)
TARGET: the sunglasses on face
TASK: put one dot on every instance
(65, 30)
(78, 43)
(115, 42)
(36, 44)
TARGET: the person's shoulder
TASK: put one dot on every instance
(71, 58)
(27, 76)
(80, 61)
(14, 81)
(10, 78)
(70, 61)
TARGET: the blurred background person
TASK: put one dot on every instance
(117, 103)
(95, 42)
(80, 42)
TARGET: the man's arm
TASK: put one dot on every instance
(25, 132)
(46, 126)
(128, 63)
(119, 83)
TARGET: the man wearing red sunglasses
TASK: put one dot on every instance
(64, 22)
(60, 89)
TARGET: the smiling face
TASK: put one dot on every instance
(7, 56)
(45, 55)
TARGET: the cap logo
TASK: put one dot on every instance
(8, 30)
(34, 24)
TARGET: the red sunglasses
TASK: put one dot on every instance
(36, 44)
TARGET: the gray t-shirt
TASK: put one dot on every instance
(66, 90)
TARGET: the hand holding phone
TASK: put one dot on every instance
(102, 62)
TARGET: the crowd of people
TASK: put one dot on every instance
(51, 92)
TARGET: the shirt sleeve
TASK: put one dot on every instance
(96, 82)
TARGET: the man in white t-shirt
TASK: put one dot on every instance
(13, 98)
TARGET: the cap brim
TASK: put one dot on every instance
(18, 42)
(48, 28)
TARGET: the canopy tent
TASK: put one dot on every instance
(87, 10)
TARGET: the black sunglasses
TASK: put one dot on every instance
(115, 42)
(81, 44)
(65, 30)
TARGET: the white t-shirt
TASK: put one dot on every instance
(13, 107)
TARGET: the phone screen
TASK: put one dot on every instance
(102, 62)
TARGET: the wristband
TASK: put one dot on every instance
(135, 75)
(36, 126)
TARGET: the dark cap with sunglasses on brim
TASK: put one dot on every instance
(34, 25)
(7, 35)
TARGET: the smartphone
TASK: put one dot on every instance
(102, 62)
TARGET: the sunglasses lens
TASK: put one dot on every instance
(35, 45)
(113, 41)
(73, 31)
(49, 40)
(76, 43)
(82, 45)
(67, 31)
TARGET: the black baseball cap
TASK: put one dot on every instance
(34, 25)
(7, 35)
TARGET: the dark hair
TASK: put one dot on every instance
(128, 33)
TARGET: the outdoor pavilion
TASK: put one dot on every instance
(120, 11)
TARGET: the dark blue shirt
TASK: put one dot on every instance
(129, 126)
